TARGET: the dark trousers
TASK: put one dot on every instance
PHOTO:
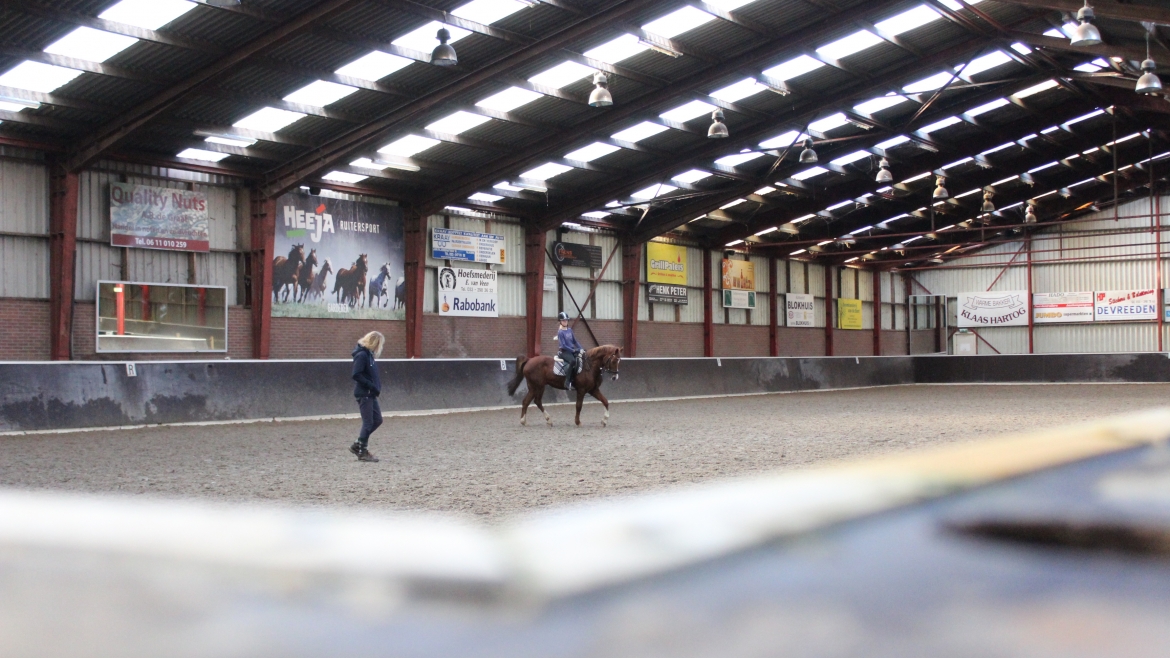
(371, 418)
(570, 359)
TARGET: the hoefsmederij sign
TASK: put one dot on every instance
(158, 218)
(993, 309)
(1125, 305)
(468, 293)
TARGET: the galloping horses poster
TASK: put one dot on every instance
(337, 258)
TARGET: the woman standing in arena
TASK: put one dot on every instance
(367, 388)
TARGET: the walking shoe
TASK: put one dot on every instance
(366, 456)
(356, 449)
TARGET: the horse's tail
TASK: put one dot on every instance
(515, 383)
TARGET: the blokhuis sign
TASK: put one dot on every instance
(799, 310)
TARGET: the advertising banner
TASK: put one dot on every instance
(849, 314)
(577, 255)
(739, 275)
(447, 244)
(800, 310)
(993, 309)
(338, 259)
(661, 293)
(1053, 307)
(1125, 305)
(739, 299)
(666, 263)
(468, 293)
(1166, 304)
(158, 218)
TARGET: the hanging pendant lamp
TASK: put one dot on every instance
(987, 206)
(444, 53)
(808, 155)
(1030, 214)
(1086, 34)
(884, 174)
(940, 190)
(600, 96)
(718, 129)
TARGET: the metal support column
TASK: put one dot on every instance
(830, 316)
(63, 195)
(773, 311)
(708, 312)
(877, 312)
(534, 260)
(1031, 315)
(263, 231)
(631, 267)
(416, 249)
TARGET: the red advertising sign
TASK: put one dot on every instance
(158, 218)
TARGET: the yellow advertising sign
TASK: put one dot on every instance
(739, 275)
(666, 263)
(849, 314)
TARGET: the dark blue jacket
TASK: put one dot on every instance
(365, 373)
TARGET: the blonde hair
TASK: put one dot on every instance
(373, 342)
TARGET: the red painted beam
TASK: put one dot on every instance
(416, 248)
(830, 315)
(773, 311)
(263, 227)
(708, 314)
(534, 261)
(631, 268)
(64, 189)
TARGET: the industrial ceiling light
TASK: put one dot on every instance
(1027, 179)
(718, 129)
(1065, 193)
(1086, 34)
(444, 53)
(1030, 213)
(930, 236)
(940, 190)
(808, 155)
(884, 175)
(600, 96)
(848, 241)
(790, 229)
(987, 206)
(1149, 83)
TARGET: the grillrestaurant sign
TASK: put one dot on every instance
(993, 309)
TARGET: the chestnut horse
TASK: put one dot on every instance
(538, 372)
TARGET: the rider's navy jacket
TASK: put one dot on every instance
(365, 373)
(568, 341)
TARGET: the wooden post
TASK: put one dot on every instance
(416, 249)
(829, 311)
(877, 312)
(708, 311)
(64, 189)
(534, 260)
(631, 289)
(263, 230)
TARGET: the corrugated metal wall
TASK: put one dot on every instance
(510, 282)
(24, 229)
(606, 303)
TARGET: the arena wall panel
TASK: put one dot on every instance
(323, 338)
(799, 341)
(24, 329)
(740, 340)
(670, 339)
(461, 338)
(852, 342)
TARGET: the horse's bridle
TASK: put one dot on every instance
(605, 366)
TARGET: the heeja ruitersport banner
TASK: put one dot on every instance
(1123, 305)
(1057, 307)
(993, 309)
(158, 218)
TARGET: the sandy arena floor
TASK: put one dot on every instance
(485, 463)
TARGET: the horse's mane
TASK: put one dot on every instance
(601, 351)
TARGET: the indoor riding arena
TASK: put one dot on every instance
(584, 328)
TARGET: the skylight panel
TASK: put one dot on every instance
(929, 84)
(1089, 67)
(239, 142)
(908, 20)
(956, 163)
(851, 158)
(561, 75)
(268, 119)
(458, 123)
(998, 148)
(764, 191)
(729, 5)
(1021, 48)
(596, 214)
(1043, 167)
(653, 191)
(838, 206)
(147, 14)
(880, 103)
(36, 76)
(90, 44)
(1031, 91)
(852, 44)
(592, 152)
(10, 106)
(424, 38)
(366, 163)
(691, 176)
(767, 231)
(783, 141)
(621, 48)
(739, 90)
(407, 146)
(488, 11)
(688, 111)
(810, 173)
(828, 123)
(508, 99)
(200, 154)
(805, 218)
(793, 68)
(639, 132)
(986, 63)
(677, 22)
(891, 143)
(320, 93)
(738, 159)
(483, 196)
(545, 171)
(732, 204)
(918, 177)
(374, 66)
(344, 177)
(1084, 117)
(987, 107)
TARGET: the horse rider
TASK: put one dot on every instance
(570, 349)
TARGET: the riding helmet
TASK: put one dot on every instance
(562, 316)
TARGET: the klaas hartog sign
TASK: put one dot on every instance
(994, 309)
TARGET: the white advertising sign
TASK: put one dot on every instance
(1166, 304)
(447, 244)
(993, 309)
(1053, 307)
(1126, 305)
(469, 293)
(799, 310)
